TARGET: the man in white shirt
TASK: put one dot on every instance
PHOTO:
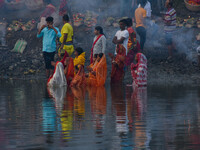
(147, 7)
(122, 35)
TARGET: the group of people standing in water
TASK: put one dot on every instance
(73, 72)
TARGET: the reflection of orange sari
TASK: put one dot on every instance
(79, 100)
(117, 73)
(101, 73)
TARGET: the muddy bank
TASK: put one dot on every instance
(181, 69)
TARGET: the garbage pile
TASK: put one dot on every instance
(188, 23)
(89, 19)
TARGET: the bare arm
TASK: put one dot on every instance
(64, 40)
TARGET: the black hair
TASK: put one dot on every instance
(95, 55)
(101, 55)
(143, 3)
(49, 19)
(123, 21)
(100, 29)
(66, 18)
(79, 50)
(170, 3)
(129, 22)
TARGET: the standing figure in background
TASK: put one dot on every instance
(118, 61)
(140, 15)
(49, 34)
(147, 7)
(133, 44)
(66, 39)
(139, 71)
(170, 26)
(99, 44)
(122, 35)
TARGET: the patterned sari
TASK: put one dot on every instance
(139, 71)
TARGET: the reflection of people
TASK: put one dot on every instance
(119, 105)
(137, 107)
(49, 117)
(98, 102)
(79, 101)
(66, 39)
(79, 63)
(117, 73)
(67, 114)
(139, 71)
(98, 71)
(49, 34)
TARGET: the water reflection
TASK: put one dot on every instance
(112, 117)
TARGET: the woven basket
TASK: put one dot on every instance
(14, 5)
(191, 7)
(34, 4)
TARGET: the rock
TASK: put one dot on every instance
(23, 61)
(11, 68)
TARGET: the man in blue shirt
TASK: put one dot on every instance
(49, 34)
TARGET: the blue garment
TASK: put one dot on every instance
(49, 39)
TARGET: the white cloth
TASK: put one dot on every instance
(59, 78)
(100, 46)
(147, 7)
(124, 34)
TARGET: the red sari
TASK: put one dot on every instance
(117, 73)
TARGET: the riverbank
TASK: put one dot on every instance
(182, 69)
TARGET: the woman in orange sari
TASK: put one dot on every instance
(118, 61)
(98, 71)
(79, 62)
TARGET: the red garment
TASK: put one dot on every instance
(117, 73)
(63, 7)
(139, 71)
(91, 56)
(133, 47)
(1, 3)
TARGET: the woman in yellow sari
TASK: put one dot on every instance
(97, 71)
(79, 62)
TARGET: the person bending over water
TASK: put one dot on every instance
(139, 71)
(79, 62)
(97, 71)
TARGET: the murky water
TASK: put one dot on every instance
(111, 118)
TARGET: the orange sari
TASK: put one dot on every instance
(101, 73)
(117, 73)
(70, 71)
(79, 78)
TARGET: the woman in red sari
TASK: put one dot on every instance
(133, 44)
(118, 61)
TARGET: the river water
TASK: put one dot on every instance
(110, 118)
